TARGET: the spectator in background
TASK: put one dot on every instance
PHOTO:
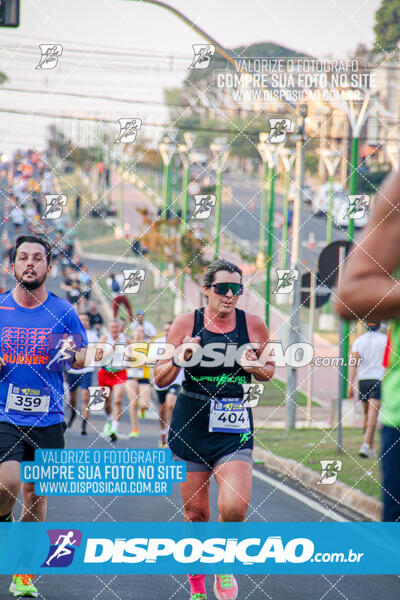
(85, 282)
(116, 284)
(95, 318)
(17, 218)
(369, 349)
(149, 329)
(8, 250)
(78, 207)
(81, 378)
(71, 285)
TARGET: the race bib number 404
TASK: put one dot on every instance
(227, 415)
(27, 400)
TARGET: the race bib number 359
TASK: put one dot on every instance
(227, 415)
(27, 400)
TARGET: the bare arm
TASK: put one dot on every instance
(258, 334)
(164, 371)
(352, 374)
(367, 287)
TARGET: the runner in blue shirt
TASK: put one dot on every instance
(40, 335)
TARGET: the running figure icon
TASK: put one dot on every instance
(62, 542)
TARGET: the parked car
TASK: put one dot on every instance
(307, 192)
(320, 200)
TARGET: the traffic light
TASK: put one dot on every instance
(9, 13)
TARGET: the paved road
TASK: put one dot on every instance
(267, 504)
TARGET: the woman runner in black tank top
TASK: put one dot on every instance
(190, 437)
(211, 430)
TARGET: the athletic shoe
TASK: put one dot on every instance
(134, 433)
(142, 413)
(22, 585)
(163, 441)
(225, 587)
(367, 452)
(107, 429)
(113, 435)
(84, 432)
(198, 596)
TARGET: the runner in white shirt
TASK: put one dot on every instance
(167, 396)
(81, 378)
(149, 329)
(368, 349)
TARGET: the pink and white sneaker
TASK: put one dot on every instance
(225, 587)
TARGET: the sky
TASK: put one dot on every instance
(155, 49)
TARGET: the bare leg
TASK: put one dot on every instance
(234, 479)
(9, 485)
(365, 409)
(170, 402)
(195, 492)
(373, 410)
(132, 388)
(85, 404)
(35, 507)
(119, 391)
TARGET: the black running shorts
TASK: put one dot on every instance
(19, 443)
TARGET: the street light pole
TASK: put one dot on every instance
(291, 385)
(331, 159)
(263, 208)
(356, 125)
(167, 150)
(185, 158)
(287, 156)
(270, 155)
(220, 152)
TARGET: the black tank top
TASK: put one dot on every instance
(223, 380)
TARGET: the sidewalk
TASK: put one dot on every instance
(325, 379)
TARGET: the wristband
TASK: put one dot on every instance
(175, 363)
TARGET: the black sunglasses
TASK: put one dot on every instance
(223, 288)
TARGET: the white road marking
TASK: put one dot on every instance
(327, 512)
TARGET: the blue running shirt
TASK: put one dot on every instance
(31, 382)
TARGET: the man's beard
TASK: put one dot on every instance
(30, 286)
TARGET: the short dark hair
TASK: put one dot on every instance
(32, 239)
(219, 265)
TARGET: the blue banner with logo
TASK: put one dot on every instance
(160, 548)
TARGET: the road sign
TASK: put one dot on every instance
(328, 262)
(322, 292)
(194, 188)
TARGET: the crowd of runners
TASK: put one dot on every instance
(46, 376)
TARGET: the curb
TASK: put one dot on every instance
(340, 492)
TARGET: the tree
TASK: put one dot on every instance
(387, 26)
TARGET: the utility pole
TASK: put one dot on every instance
(291, 386)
